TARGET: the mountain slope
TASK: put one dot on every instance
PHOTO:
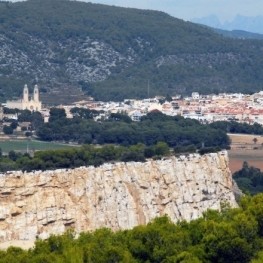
(238, 34)
(112, 53)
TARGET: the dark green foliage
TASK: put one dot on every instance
(208, 150)
(35, 118)
(118, 129)
(237, 127)
(7, 130)
(25, 115)
(249, 179)
(28, 134)
(185, 149)
(57, 114)
(81, 156)
(149, 138)
(10, 111)
(14, 125)
(120, 117)
(14, 156)
(232, 236)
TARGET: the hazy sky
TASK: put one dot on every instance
(188, 9)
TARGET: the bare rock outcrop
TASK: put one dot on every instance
(118, 195)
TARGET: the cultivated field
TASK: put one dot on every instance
(29, 145)
(245, 148)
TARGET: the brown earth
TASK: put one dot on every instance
(243, 148)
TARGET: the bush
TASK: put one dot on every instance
(28, 134)
(7, 130)
(209, 150)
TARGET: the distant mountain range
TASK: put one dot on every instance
(244, 23)
(112, 53)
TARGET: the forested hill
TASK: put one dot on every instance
(112, 52)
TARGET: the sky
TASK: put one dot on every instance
(189, 9)
(225, 10)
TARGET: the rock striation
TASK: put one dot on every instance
(115, 195)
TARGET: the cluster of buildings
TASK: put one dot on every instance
(205, 108)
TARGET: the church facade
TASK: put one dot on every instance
(28, 102)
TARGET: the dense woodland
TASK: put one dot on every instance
(232, 236)
(173, 55)
(249, 179)
(237, 127)
(119, 129)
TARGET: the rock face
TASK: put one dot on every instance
(119, 195)
(91, 60)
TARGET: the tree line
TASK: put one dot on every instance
(238, 127)
(81, 156)
(87, 155)
(249, 179)
(119, 129)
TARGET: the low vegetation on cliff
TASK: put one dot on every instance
(229, 236)
(115, 139)
(89, 155)
(84, 156)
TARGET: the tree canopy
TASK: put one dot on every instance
(249, 179)
(118, 129)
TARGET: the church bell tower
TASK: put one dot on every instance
(36, 94)
(25, 94)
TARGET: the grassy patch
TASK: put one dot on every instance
(29, 145)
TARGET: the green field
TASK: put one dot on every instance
(29, 145)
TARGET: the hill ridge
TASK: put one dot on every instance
(111, 52)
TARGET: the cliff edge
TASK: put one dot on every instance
(118, 195)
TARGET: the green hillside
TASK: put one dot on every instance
(112, 52)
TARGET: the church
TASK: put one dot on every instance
(31, 103)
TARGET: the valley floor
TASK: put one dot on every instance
(244, 147)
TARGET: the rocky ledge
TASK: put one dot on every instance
(118, 195)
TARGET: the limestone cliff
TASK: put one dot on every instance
(119, 195)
